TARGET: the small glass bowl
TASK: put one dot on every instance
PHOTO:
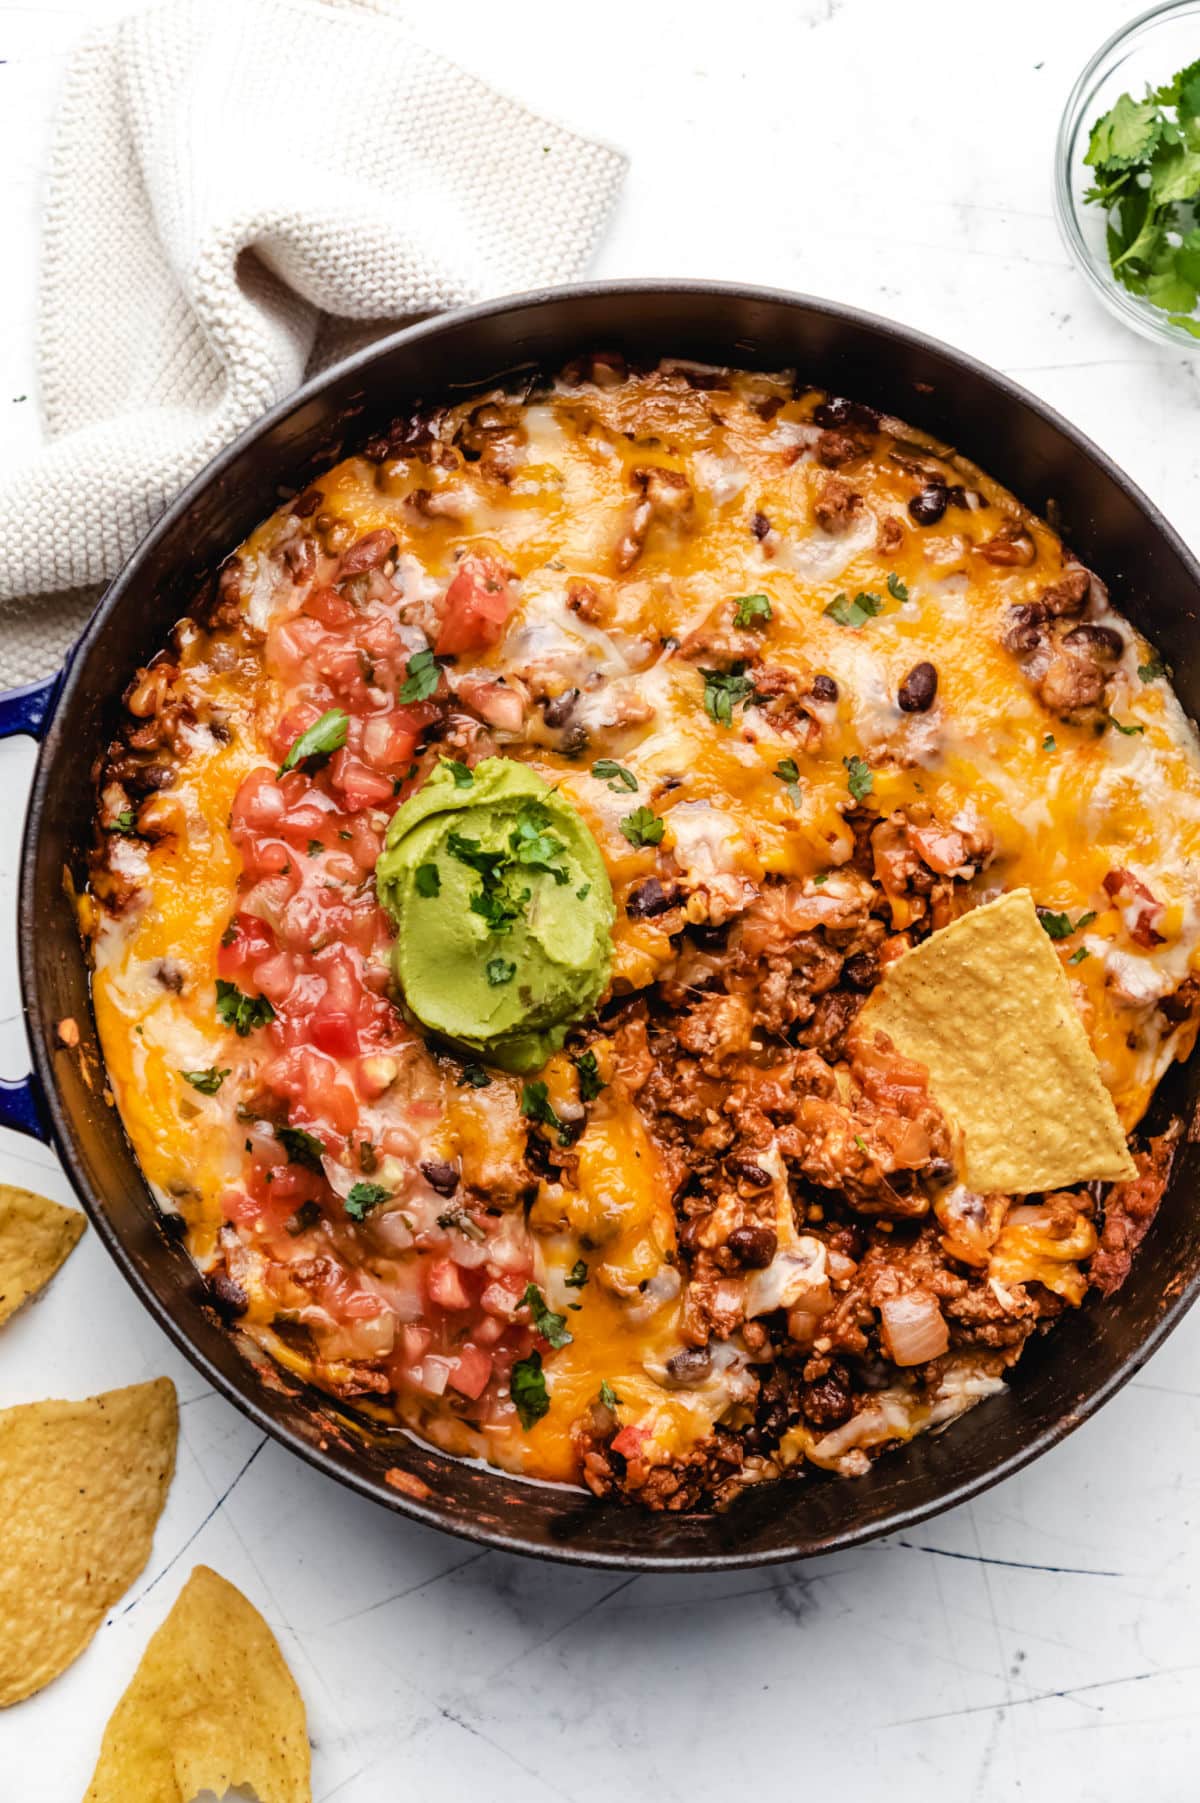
(1145, 53)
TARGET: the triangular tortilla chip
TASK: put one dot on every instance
(82, 1485)
(211, 1705)
(35, 1237)
(985, 1006)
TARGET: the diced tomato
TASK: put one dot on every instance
(413, 1341)
(245, 942)
(470, 1372)
(443, 1280)
(475, 607)
(388, 740)
(259, 805)
(335, 1033)
(630, 1441)
(360, 786)
(330, 608)
(502, 1299)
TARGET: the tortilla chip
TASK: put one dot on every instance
(35, 1237)
(82, 1485)
(985, 1006)
(211, 1705)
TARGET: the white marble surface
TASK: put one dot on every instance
(897, 156)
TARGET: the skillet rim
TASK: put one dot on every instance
(244, 1394)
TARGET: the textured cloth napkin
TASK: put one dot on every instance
(239, 189)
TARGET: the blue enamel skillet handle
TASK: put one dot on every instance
(27, 710)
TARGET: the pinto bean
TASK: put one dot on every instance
(823, 687)
(1101, 642)
(368, 553)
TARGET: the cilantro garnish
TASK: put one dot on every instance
(1061, 926)
(427, 879)
(642, 827)
(590, 1080)
(474, 1077)
(301, 1147)
(421, 678)
(1122, 728)
(499, 971)
(527, 1387)
(363, 1197)
(578, 1275)
(460, 1221)
(608, 1396)
(856, 613)
(241, 1012)
(207, 1082)
(553, 1328)
(532, 844)
(464, 776)
(615, 775)
(1152, 669)
(323, 738)
(896, 589)
(1077, 957)
(1049, 743)
(536, 1106)
(124, 822)
(724, 690)
(788, 772)
(1146, 158)
(860, 779)
(752, 610)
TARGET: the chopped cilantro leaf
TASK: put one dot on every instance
(315, 848)
(363, 1197)
(241, 1012)
(301, 1147)
(860, 779)
(464, 776)
(1049, 743)
(1152, 669)
(207, 1082)
(553, 1328)
(323, 738)
(724, 690)
(427, 879)
(1077, 957)
(642, 827)
(1061, 926)
(608, 1397)
(787, 770)
(536, 1106)
(1122, 728)
(861, 1143)
(460, 1221)
(896, 589)
(500, 970)
(856, 613)
(752, 610)
(615, 775)
(590, 1080)
(422, 676)
(124, 822)
(527, 1387)
(578, 1275)
(474, 1077)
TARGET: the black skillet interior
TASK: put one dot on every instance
(1062, 1378)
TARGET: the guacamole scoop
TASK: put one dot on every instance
(502, 908)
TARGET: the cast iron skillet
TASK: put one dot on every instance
(1049, 465)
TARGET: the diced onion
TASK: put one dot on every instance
(914, 1329)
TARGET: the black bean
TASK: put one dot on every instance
(173, 1225)
(1103, 641)
(307, 503)
(229, 1297)
(750, 1173)
(443, 1178)
(753, 1246)
(838, 411)
(930, 504)
(558, 711)
(760, 525)
(918, 689)
(690, 1366)
(1024, 632)
(824, 688)
(576, 741)
(650, 898)
(862, 970)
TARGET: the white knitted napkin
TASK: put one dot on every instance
(231, 180)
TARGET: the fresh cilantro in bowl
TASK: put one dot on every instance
(1146, 159)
